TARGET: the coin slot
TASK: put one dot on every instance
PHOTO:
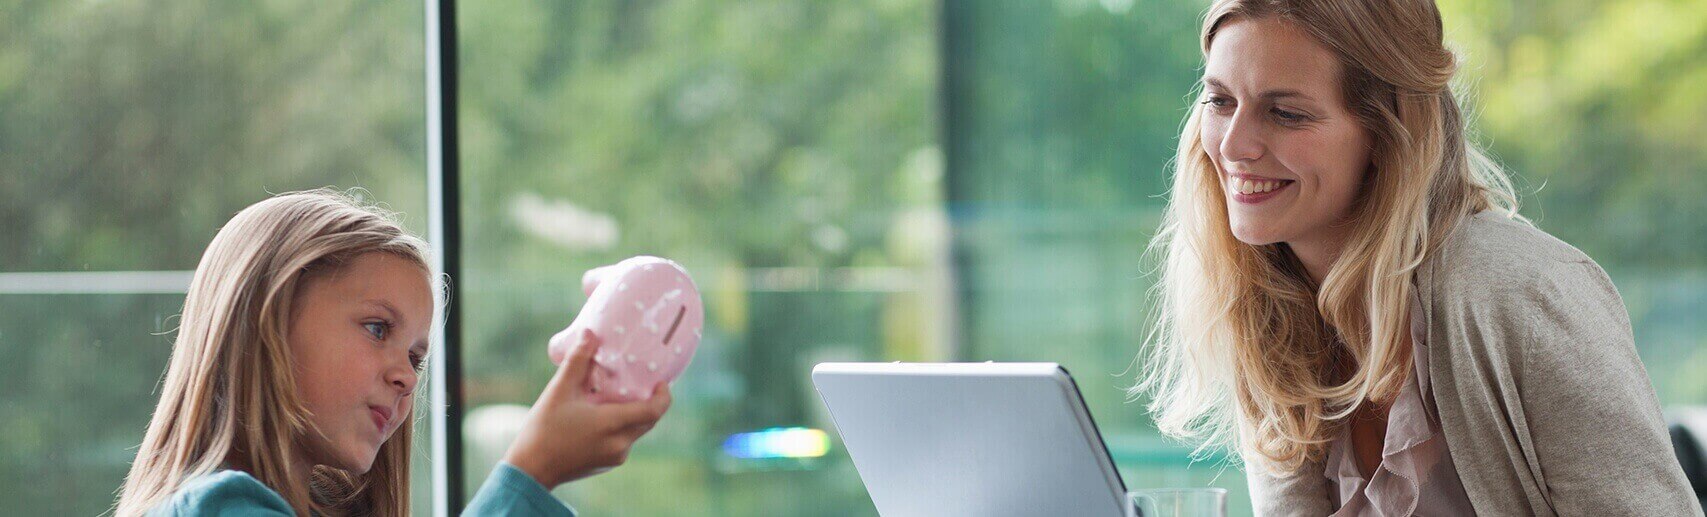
(680, 311)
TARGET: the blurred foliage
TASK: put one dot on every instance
(810, 162)
(1600, 107)
(131, 131)
(739, 138)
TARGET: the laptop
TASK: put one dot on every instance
(972, 439)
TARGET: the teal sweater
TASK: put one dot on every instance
(508, 491)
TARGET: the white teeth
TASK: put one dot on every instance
(1244, 186)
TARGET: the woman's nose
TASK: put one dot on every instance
(1242, 141)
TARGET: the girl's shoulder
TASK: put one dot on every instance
(226, 493)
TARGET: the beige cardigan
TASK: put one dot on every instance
(1546, 408)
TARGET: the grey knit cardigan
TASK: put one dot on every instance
(1545, 406)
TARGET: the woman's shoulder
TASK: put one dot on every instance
(1492, 242)
(224, 492)
(1496, 258)
(1516, 289)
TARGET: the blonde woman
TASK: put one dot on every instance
(1350, 302)
(293, 378)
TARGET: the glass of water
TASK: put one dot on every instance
(1178, 502)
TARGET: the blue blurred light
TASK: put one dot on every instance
(778, 442)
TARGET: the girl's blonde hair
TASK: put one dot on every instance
(230, 396)
(1248, 354)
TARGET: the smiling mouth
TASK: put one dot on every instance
(1252, 187)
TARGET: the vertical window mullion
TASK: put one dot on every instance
(444, 205)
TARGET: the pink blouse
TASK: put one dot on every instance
(1416, 476)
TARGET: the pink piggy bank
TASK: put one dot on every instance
(647, 315)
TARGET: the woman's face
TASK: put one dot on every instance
(358, 336)
(1289, 155)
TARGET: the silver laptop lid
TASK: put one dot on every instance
(974, 439)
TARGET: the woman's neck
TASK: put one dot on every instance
(1319, 252)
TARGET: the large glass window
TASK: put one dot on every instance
(784, 152)
(905, 180)
(132, 131)
(1062, 117)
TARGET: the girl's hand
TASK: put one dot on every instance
(568, 437)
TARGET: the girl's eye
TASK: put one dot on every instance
(1217, 102)
(417, 361)
(378, 329)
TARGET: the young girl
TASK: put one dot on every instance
(1349, 301)
(292, 381)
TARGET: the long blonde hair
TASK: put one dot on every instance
(230, 398)
(1248, 354)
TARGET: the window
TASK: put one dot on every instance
(1062, 116)
(865, 181)
(784, 152)
(132, 131)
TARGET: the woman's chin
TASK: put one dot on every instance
(1253, 235)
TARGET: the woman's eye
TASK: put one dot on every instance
(417, 361)
(1217, 102)
(1288, 117)
(378, 329)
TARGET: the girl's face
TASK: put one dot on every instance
(1289, 155)
(359, 337)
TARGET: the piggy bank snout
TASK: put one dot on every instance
(562, 344)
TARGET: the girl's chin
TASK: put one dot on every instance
(355, 468)
(357, 463)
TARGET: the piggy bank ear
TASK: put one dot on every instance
(591, 279)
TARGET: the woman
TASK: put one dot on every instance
(1349, 300)
(294, 375)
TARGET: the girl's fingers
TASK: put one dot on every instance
(644, 413)
(574, 372)
(661, 399)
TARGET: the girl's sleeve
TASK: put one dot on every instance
(227, 493)
(511, 492)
